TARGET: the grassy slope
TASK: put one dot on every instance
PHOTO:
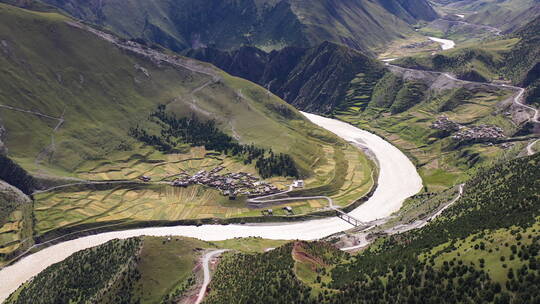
(254, 244)
(463, 256)
(164, 265)
(50, 67)
(146, 269)
(485, 59)
(262, 23)
(56, 69)
(441, 163)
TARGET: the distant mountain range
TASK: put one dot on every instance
(267, 24)
(507, 15)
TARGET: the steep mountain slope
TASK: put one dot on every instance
(483, 249)
(313, 80)
(515, 58)
(507, 15)
(267, 24)
(137, 270)
(79, 109)
(68, 96)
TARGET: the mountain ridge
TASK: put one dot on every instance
(266, 24)
(311, 79)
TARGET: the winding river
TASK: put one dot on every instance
(398, 180)
(445, 43)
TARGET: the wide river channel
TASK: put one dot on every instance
(398, 180)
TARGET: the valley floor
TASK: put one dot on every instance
(398, 180)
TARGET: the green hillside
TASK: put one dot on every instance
(508, 15)
(69, 96)
(316, 80)
(267, 24)
(515, 57)
(138, 270)
(100, 93)
(483, 249)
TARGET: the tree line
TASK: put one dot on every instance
(175, 131)
(399, 268)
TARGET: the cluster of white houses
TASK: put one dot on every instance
(479, 133)
(230, 184)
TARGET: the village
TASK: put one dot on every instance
(230, 184)
(480, 133)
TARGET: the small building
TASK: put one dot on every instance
(288, 209)
(298, 183)
(145, 178)
(270, 211)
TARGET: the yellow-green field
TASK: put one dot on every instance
(17, 231)
(147, 202)
(159, 202)
(359, 177)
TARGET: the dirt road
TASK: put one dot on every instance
(206, 272)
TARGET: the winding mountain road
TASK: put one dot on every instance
(206, 272)
(401, 228)
(530, 147)
(517, 100)
(449, 44)
(398, 180)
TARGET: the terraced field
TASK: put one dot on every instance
(159, 166)
(159, 202)
(343, 172)
(17, 230)
(440, 163)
